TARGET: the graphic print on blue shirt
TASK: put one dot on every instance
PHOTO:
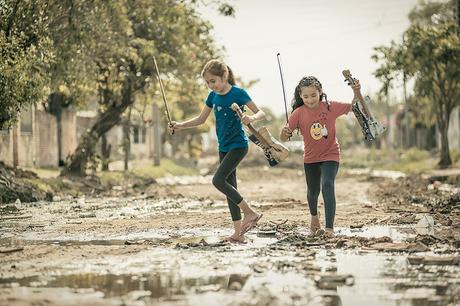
(229, 130)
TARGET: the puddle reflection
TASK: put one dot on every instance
(159, 284)
(377, 278)
(397, 234)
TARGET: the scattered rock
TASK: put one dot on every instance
(11, 250)
(434, 260)
(331, 281)
(400, 247)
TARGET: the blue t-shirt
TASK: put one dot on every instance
(229, 130)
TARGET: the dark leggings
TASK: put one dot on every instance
(321, 176)
(225, 179)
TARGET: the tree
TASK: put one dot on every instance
(25, 57)
(430, 54)
(72, 50)
(176, 35)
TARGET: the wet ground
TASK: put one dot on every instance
(397, 243)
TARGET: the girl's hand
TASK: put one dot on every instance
(174, 126)
(246, 119)
(356, 86)
(286, 132)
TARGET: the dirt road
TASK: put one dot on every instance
(163, 246)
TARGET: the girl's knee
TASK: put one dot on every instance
(313, 192)
(327, 185)
(313, 195)
(217, 181)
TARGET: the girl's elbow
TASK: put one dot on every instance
(262, 115)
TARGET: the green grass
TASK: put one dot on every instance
(167, 166)
(46, 172)
(54, 185)
(144, 170)
(113, 178)
(407, 161)
(41, 184)
(50, 181)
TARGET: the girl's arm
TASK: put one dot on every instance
(195, 121)
(290, 126)
(258, 114)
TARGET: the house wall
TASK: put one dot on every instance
(454, 130)
(39, 146)
(46, 135)
(6, 148)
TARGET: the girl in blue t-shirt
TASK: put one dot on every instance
(233, 143)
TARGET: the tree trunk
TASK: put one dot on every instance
(105, 153)
(86, 149)
(445, 160)
(55, 105)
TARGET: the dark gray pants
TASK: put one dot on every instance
(225, 179)
(321, 176)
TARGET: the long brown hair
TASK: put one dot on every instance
(218, 68)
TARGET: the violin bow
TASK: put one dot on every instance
(168, 116)
(282, 84)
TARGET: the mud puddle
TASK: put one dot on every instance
(194, 269)
(340, 278)
(159, 285)
(191, 236)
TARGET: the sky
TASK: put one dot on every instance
(313, 37)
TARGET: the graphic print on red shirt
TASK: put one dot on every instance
(317, 127)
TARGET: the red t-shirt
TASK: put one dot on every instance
(317, 127)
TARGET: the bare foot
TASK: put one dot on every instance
(236, 239)
(319, 232)
(235, 236)
(248, 218)
(249, 222)
(329, 232)
(314, 224)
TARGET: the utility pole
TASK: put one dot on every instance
(388, 142)
(15, 145)
(156, 135)
(406, 110)
(406, 114)
(34, 136)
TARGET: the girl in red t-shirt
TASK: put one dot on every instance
(314, 116)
